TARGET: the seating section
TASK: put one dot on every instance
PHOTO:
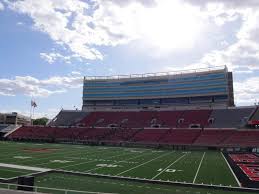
(68, 118)
(59, 133)
(190, 127)
(209, 137)
(243, 138)
(213, 137)
(128, 119)
(218, 118)
(31, 132)
(147, 119)
(254, 119)
(230, 118)
(2, 127)
(149, 135)
(181, 136)
(168, 118)
(195, 117)
(121, 134)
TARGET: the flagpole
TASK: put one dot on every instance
(33, 111)
(30, 112)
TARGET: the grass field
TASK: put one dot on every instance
(207, 167)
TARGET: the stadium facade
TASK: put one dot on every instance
(210, 87)
(14, 119)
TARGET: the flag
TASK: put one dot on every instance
(33, 103)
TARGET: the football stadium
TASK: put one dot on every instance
(171, 132)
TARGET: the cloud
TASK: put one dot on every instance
(1, 6)
(250, 28)
(227, 3)
(246, 92)
(19, 23)
(75, 73)
(49, 57)
(243, 53)
(223, 11)
(146, 3)
(31, 86)
(85, 27)
(67, 23)
(54, 56)
(56, 18)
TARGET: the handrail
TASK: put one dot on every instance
(36, 189)
(145, 75)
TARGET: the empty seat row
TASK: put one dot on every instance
(198, 137)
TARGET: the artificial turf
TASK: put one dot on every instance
(11, 172)
(207, 167)
(92, 184)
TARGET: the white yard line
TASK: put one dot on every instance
(239, 184)
(3, 169)
(198, 168)
(92, 153)
(119, 162)
(51, 155)
(168, 166)
(24, 167)
(89, 161)
(143, 163)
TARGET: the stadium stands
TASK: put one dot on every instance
(197, 118)
(2, 127)
(59, 133)
(30, 132)
(205, 127)
(254, 119)
(181, 136)
(2, 130)
(217, 118)
(119, 119)
(168, 118)
(197, 137)
(230, 118)
(213, 137)
(243, 139)
(68, 118)
(149, 135)
(120, 135)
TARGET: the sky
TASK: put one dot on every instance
(47, 46)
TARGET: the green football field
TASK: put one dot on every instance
(200, 167)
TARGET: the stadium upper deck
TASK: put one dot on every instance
(200, 87)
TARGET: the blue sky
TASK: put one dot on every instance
(47, 46)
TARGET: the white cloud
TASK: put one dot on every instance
(75, 73)
(54, 17)
(30, 86)
(49, 57)
(227, 3)
(83, 26)
(246, 92)
(250, 28)
(54, 56)
(1, 6)
(243, 54)
(236, 56)
(146, 3)
(67, 23)
(19, 23)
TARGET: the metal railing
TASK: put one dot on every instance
(12, 186)
(175, 73)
